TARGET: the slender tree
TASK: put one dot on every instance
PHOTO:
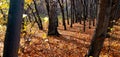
(85, 13)
(72, 17)
(38, 15)
(61, 3)
(67, 12)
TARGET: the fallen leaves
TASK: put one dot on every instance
(72, 43)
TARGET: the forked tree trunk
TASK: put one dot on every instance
(12, 37)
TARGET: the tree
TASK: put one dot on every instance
(101, 29)
(67, 12)
(78, 10)
(115, 14)
(72, 15)
(53, 19)
(39, 19)
(61, 3)
(85, 13)
(12, 37)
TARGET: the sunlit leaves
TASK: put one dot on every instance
(46, 19)
(28, 1)
(90, 56)
(44, 35)
(4, 4)
(1, 15)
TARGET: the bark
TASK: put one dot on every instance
(39, 19)
(89, 23)
(12, 37)
(100, 32)
(78, 10)
(47, 5)
(115, 14)
(84, 14)
(72, 17)
(67, 11)
(53, 19)
(74, 12)
(63, 14)
(38, 23)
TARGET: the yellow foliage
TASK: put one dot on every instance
(1, 15)
(28, 1)
(24, 27)
(19, 51)
(44, 35)
(32, 32)
(5, 5)
(111, 28)
(46, 19)
(90, 56)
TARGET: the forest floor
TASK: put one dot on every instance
(73, 42)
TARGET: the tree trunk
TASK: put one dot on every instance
(63, 14)
(84, 14)
(72, 17)
(38, 15)
(67, 11)
(115, 14)
(100, 32)
(53, 19)
(38, 23)
(12, 37)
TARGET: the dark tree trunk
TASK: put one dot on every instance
(100, 32)
(67, 11)
(93, 22)
(78, 10)
(89, 23)
(72, 17)
(38, 23)
(12, 37)
(38, 15)
(63, 14)
(47, 6)
(53, 19)
(115, 14)
(84, 13)
(73, 14)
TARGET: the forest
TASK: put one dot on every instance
(59, 28)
